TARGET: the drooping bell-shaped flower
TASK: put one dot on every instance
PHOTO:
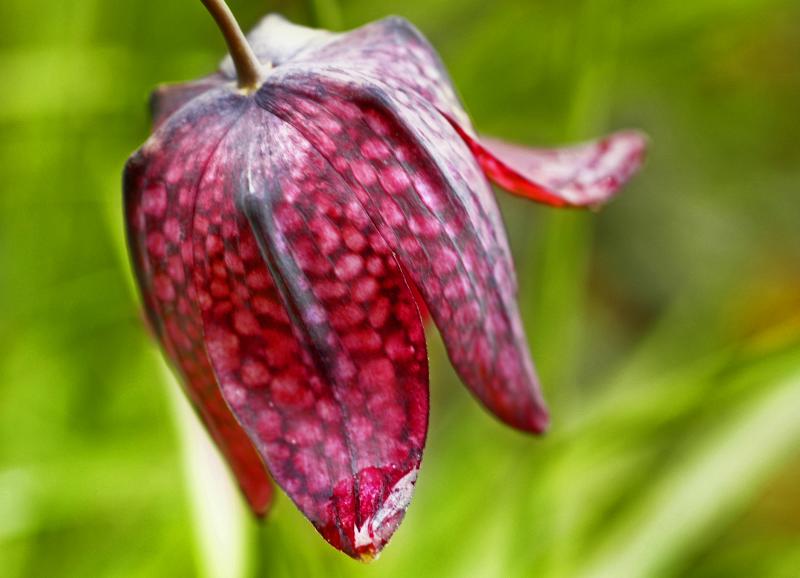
(283, 219)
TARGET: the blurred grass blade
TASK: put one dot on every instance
(221, 543)
(706, 488)
(220, 530)
(555, 320)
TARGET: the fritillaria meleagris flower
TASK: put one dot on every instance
(282, 229)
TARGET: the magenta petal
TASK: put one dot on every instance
(315, 338)
(395, 52)
(160, 188)
(587, 174)
(422, 188)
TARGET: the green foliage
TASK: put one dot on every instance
(666, 327)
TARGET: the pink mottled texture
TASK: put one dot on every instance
(323, 362)
(160, 188)
(286, 240)
(583, 175)
(431, 216)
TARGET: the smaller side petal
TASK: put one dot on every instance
(584, 175)
(168, 98)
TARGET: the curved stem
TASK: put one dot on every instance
(248, 70)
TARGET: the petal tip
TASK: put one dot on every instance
(365, 540)
(532, 418)
(542, 423)
(637, 143)
(538, 422)
(377, 529)
(261, 506)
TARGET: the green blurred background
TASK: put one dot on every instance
(666, 327)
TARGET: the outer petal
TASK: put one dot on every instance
(583, 175)
(393, 56)
(316, 339)
(394, 51)
(160, 188)
(420, 185)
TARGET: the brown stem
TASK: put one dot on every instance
(248, 70)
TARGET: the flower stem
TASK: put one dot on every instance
(248, 70)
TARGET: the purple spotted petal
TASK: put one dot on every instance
(584, 175)
(393, 51)
(422, 188)
(280, 238)
(160, 188)
(316, 339)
